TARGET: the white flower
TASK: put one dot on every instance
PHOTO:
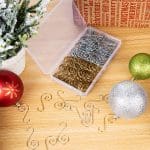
(44, 3)
(4, 46)
(0, 32)
(31, 19)
(8, 47)
(2, 4)
(33, 30)
(43, 6)
(2, 43)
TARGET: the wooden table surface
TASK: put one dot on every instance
(54, 118)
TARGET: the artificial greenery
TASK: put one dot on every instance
(18, 22)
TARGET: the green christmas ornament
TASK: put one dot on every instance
(139, 66)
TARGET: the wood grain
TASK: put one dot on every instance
(64, 121)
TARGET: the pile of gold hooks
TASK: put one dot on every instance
(77, 72)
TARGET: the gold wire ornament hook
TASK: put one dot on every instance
(133, 79)
(18, 104)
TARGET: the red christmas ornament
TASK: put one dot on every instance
(11, 88)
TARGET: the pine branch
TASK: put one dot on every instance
(8, 54)
(18, 23)
(22, 14)
(32, 8)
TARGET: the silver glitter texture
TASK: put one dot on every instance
(94, 47)
(127, 99)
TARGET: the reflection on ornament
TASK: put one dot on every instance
(0, 90)
(127, 99)
(11, 90)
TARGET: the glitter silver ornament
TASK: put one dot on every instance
(127, 99)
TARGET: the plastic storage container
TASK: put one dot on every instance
(66, 50)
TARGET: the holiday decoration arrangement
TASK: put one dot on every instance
(18, 23)
(82, 64)
(80, 69)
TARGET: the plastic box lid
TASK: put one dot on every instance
(56, 32)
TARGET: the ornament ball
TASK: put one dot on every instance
(127, 99)
(139, 66)
(11, 88)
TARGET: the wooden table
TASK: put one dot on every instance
(54, 118)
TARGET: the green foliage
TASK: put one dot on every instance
(18, 22)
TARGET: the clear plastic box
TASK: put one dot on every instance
(57, 37)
